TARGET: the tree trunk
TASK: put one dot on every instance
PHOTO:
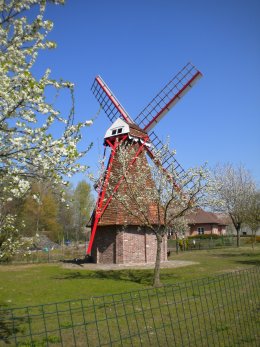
(254, 239)
(238, 237)
(156, 279)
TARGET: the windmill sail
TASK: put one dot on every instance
(168, 158)
(170, 165)
(168, 97)
(108, 101)
(107, 212)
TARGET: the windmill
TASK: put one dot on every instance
(139, 135)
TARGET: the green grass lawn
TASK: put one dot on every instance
(34, 284)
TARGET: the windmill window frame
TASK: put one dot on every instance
(116, 131)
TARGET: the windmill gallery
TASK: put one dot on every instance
(116, 236)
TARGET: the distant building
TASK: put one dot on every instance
(246, 231)
(202, 222)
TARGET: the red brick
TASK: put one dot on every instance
(124, 245)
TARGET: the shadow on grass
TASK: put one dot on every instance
(137, 276)
(9, 325)
(233, 255)
(253, 258)
(249, 262)
(79, 261)
(142, 277)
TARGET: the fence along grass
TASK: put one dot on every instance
(215, 311)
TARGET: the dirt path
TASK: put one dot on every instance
(91, 266)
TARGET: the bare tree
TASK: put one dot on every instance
(234, 189)
(150, 194)
(253, 216)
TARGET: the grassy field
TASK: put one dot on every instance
(22, 285)
(218, 311)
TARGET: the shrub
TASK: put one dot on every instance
(205, 236)
(251, 239)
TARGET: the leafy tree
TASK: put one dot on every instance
(66, 214)
(40, 212)
(83, 204)
(234, 189)
(27, 116)
(32, 209)
(49, 222)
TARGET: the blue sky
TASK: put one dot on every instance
(137, 46)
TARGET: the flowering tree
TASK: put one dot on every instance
(151, 195)
(29, 149)
(233, 193)
(253, 215)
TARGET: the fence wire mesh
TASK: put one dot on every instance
(216, 311)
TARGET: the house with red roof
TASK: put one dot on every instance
(202, 222)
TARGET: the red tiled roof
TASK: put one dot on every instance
(203, 217)
(135, 130)
(135, 126)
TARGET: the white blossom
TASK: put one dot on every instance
(28, 147)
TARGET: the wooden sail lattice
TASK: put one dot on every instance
(167, 97)
(107, 100)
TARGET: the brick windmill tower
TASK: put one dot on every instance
(116, 236)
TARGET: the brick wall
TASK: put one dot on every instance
(104, 247)
(126, 245)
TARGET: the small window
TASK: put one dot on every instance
(200, 230)
(117, 131)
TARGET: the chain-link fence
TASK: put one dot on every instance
(73, 253)
(216, 311)
(192, 244)
(47, 256)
